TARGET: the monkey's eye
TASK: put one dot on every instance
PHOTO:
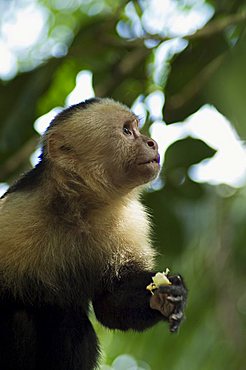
(127, 131)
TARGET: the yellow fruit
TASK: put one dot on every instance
(159, 279)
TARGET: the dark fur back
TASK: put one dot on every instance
(65, 114)
(29, 180)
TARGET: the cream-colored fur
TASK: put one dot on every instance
(31, 243)
(105, 225)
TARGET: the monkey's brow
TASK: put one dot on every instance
(129, 121)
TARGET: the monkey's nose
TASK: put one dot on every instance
(152, 143)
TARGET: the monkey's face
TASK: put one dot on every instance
(129, 158)
(104, 146)
(136, 156)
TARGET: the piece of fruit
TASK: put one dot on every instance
(159, 279)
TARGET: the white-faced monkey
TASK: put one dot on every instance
(72, 231)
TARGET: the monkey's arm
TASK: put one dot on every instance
(128, 305)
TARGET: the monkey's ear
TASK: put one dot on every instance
(57, 146)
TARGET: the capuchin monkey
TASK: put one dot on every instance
(73, 232)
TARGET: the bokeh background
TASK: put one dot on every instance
(180, 65)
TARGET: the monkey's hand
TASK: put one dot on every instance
(170, 300)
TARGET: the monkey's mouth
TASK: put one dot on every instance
(151, 161)
(155, 160)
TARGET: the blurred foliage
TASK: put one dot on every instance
(199, 229)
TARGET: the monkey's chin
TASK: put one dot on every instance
(148, 172)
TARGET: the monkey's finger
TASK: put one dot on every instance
(175, 320)
(177, 316)
(175, 299)
(173, 326)
(176, 280)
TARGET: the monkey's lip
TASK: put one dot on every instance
(156, 160)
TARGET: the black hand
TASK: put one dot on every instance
(170, 300)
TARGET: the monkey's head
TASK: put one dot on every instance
(99, 140)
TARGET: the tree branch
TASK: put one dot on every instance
(213, 27)
(218, 25)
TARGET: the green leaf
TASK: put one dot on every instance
(227, 90)
(178, 158)
(186, 152)
(190, 72)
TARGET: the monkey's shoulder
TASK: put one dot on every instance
(28, 181)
